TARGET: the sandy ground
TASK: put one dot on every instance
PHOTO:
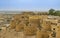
(13, 34)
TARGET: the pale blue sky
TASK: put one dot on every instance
(29, 4)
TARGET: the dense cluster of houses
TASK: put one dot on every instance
(41, 25)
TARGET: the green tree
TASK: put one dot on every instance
(51, 11)
(57, 13)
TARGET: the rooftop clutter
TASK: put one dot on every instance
(43, 26)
